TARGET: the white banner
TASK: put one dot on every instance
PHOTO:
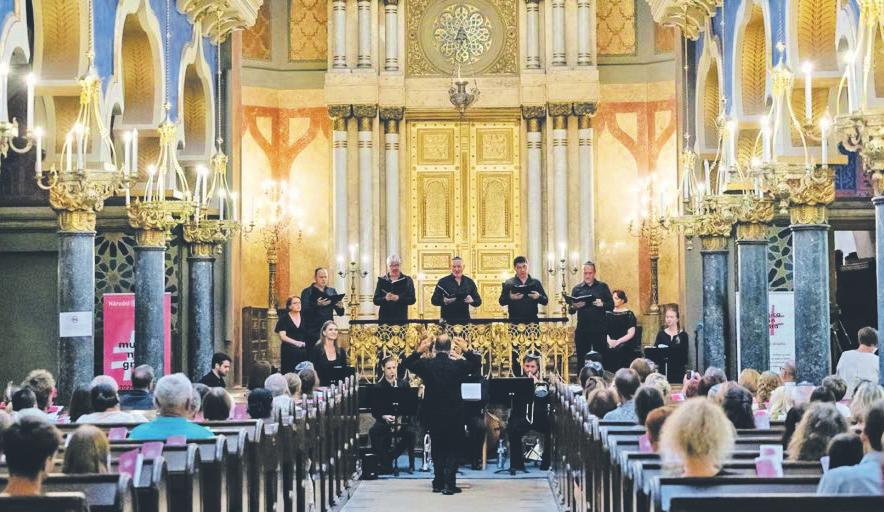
(781, 327)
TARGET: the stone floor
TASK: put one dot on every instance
(400, 495)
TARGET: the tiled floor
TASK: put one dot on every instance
(398, 495)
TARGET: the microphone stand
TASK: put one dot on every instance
(697, 332)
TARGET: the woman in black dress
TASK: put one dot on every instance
(674, 337)
(292, 335)
(326, 355)
(622, 343)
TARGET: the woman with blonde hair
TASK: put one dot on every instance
(767, 383)
(699, 436)
(817, 427)
(87, 451)
(659, 381)
(865, 394)
(327, 355)
(749, 379)
(780, 403)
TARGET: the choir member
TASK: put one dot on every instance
(622, 343)
(292, 336)
(521, 294)
(317, 306)
(394, 293)
(455, 293)
(592, 300)
(673, 336)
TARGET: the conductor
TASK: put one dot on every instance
(443, 375)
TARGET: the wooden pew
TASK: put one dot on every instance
(108, 492)
(782, 502)
(664, 489)
(50, 502)
(248, 438)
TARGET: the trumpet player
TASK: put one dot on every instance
(532, 416)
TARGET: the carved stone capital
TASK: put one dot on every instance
(688, 15)
(809, 214)
(533, 111)
(363, 111)
(220, 18)
(392, 113)
(151, 238)
(339, 111)
(585, 109)
(559, 109)
(713, 243)
(391, 2)
(78, 221)
(752, 232)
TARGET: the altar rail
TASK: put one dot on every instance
(494, 339)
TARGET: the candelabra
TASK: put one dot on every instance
(10, 130)
(208, 235)
(353, 272)
(562, 269)
(652, 224)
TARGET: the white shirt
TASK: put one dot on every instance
(111, 417)
(855, 366)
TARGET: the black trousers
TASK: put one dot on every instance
(476, 431)
(516, 428)
(585, 341)
(382, 442)
(446, 436)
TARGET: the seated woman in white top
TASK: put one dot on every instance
(106, 405)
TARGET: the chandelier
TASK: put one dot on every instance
(10, 130)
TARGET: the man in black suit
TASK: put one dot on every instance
(381, 433)
(590, 333)
(522, 293)
(220, 369)
(443, 375)
(317, 307)
(455, 293)
(394, 293)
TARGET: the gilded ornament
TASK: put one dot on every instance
(560, 109)
(158, 216)
(713, 243)
(815, 188)
(534, 111)
(200, 250)
(752, 231)
(339, 111)
(809, 214)
(392, 113)
(218, 18)
(462, 34)
(365, 111)
(212, 232)
(585, 109)
(76, 221)
(689, 16)
(151, 238)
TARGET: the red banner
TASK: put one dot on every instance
(119, 336)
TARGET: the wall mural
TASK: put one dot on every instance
(308, 30)
(615, 28)
(257, 42)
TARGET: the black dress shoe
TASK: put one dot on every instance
(437, 489)
(447, 492)
(457, 490)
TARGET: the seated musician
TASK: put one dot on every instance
(385, 430)
(526, 417)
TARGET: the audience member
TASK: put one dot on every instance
(707, 382)
(173, 396)
(793, 417)
(202, 390)
(819, 424)
(308, 381)
(767, 383)
(780, 403)
(5, 421)
(217, 405)
(699, 436)
(865, 394)
(822, 394)
(647, 398)
(260, 404)
(81, 402)
(626, 383)
(220, 369)
(643, 367)
(788, 373)
(258, 374)
(661, 382)
(865, 477)
(860, 364)
(737, 406)
(105, 379)
(139, 398)
(691, 388)
(294, 384)
(24, 403)
(716, 373)
(279, 389)
(601, 401)
(749, 380)
(196, 400)
(42, 383)
(654, 424)
(29, 446)
(592, 384)
(106, 405)
(838, 387)
(87, 451)
(845, 450)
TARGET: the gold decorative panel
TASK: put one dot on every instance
(139, 82)
(816, 32)
(462, 202)
(753, 63)
(257, 41)
(615, 27)
(819, 100)
(664, 38)
(61, 39)
(194, 113)
(746, 147)
(66, 110)
(711, 105)
(481, 36)
(308, 30)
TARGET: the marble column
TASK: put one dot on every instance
(558, 33)
(584, 48)
(878, 201)
(201, 317)
(339, 115)
(810, 250)
(391, 117)
(76, 293)
(534, 115)
(391, 38)
(715, 312)
(339, 27)
(754, 308)
(150, 285)
(559, 113)
(363, 55)
(365, 115)
(584, 112)
(532, 28)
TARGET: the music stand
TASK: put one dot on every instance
(404, 402)
(660, 356)
(509, 391)
(337, 374)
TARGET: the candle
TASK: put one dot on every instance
(31, 80)
(825, 124)
(39, 164)
(765, 139)
(574, 258)
(340, 261)
(707, 173)
(851, 82)
(196, 188)
(221, 201)
(196, 214)
(134, 149)
(808, 102)
(550, 259)
(78, 134)
(732, 143)
(562, 248)
(352, 252)
(127, 153)
(67, 149)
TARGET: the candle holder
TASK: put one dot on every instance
(562, 270)
(353, 273)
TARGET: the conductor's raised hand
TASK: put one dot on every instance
(425, 345)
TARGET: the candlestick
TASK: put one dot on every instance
(135, 150)
(352, 252)
(31, 80)
(221, 201)
(39, 167)
(825, 124)
(808, 102)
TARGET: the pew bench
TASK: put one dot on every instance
(107, 492)
(50, 502)
(782, 502)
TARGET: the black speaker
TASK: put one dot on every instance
(369, 466)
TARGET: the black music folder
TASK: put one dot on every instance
(459, 295)
(589, 299)
(334, 298)
(397, 287)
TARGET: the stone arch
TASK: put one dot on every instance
(813, 26)
(60, 46)
(709, 93)
(751, 59)
(138, 64)
(196, 112)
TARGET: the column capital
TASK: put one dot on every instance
(752, 232)
(713, 243)
(392, 113)
(391, 2)
(340, 111)
(152, 238)
(688, 15)
(559, 109)
(532, 1)
(810, 215)
(533, 111)
(363, 111)
(76, 221)
(585, 109)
